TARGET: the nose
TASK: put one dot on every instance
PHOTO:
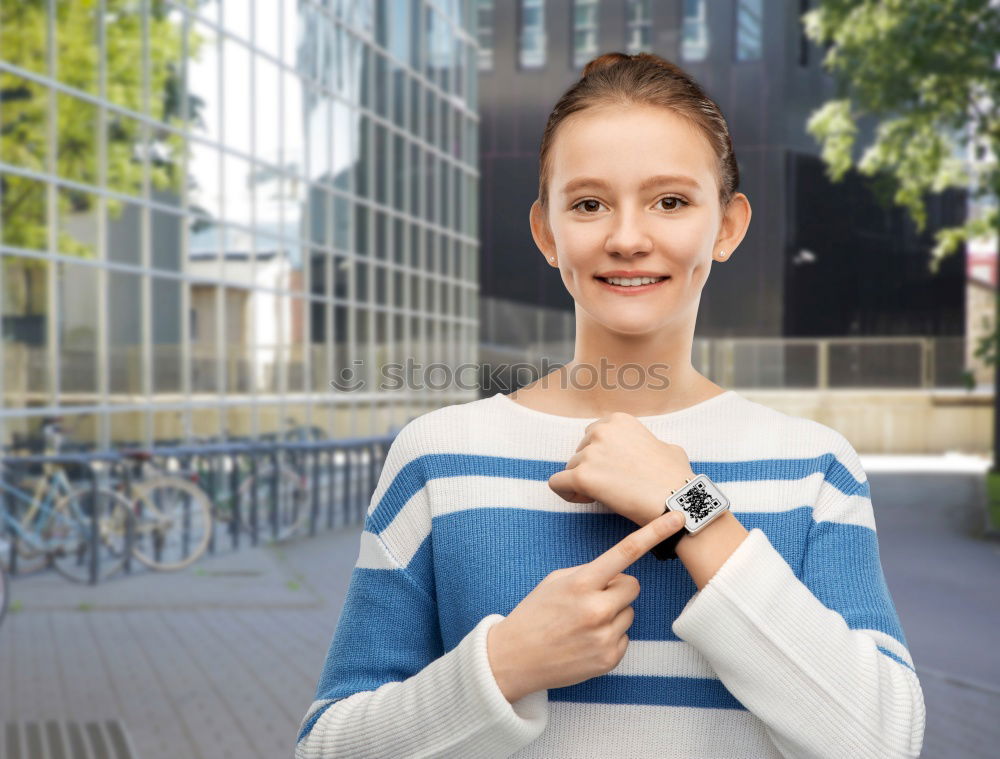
(628, 235)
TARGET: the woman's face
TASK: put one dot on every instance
(633, 190)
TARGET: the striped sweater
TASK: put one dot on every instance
(792, 649)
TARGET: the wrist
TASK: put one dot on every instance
(500, 664)
(658, 507)
(724, 532)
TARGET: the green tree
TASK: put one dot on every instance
(34, 119)
(926, 73)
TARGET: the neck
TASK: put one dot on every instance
(643, 375)
(580, 385)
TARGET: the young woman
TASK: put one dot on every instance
(521, 589)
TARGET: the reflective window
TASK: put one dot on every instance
(803, 37)
(638, 26)
(484, 16)
(749, 29)
(531, 39)
(694, 31)
(584, 31)
(237, 206)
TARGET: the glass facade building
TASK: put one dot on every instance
(211, 211)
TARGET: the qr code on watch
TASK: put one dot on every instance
(698, 502)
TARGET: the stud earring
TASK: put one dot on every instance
(722, 254)
(552, 258)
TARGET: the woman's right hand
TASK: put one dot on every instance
(571, 627)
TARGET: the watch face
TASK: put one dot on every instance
(700, 501)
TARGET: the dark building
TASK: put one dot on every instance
(819, 259)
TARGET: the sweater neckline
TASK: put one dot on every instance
(509, 402)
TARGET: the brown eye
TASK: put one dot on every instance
(679, 203)
(595, 202)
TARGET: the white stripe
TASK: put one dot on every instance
(647, 658)
(412, 524)
(702, 436)
(371, 555)
(852, 509)
(452, 494)
(580, 729)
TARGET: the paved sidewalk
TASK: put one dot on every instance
(945, 587)
(218, 660)
(221, 660)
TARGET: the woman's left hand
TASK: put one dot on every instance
(620, 463)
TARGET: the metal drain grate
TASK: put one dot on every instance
(66, 740)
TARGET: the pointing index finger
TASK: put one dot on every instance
(633, 547)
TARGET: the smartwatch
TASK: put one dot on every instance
(700, 501)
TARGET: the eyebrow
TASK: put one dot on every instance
(659, 179)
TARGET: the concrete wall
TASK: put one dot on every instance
(894, 421)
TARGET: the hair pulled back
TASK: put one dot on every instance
(643, 79)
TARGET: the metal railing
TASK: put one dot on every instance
(340, 477)
(517, 334)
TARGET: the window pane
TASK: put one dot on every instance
(23, 122)
(203, 335)
(166, 326)
(694, 39)
(584, 31)
(749, 18)
(24, 203)
(266, 26)
(532, 37)
(24, 315)
(485, 31)
(246, 310)
(77, 333)
(125, 222)
(638, 26)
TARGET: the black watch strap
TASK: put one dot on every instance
(668, 548)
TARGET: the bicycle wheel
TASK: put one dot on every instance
(29, 561)
(4, 594)
(69, 533)
(291, 506)
(173, 522)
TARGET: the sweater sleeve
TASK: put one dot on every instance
(387, 687)
(821, 660)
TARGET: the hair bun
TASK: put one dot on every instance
(612, 59)
(603, 62)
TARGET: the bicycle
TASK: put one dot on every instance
(57, 525)
(282, 491)
(173, 516)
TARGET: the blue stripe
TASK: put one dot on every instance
(469, 546)
(843, 570)
(311, 722)
(893, 656)
(417, 472)
(385, 618)
(840, 566)
(650, 690)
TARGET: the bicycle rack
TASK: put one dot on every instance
(351, 466)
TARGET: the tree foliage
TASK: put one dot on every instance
(926, 71)
(48, 131)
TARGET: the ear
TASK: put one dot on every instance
(733, 229)
(542, 233)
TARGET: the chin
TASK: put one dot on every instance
(641, 324)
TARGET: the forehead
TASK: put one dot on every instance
(626, 145)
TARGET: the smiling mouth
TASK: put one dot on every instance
(633, 284)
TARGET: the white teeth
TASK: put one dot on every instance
(634, 281)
